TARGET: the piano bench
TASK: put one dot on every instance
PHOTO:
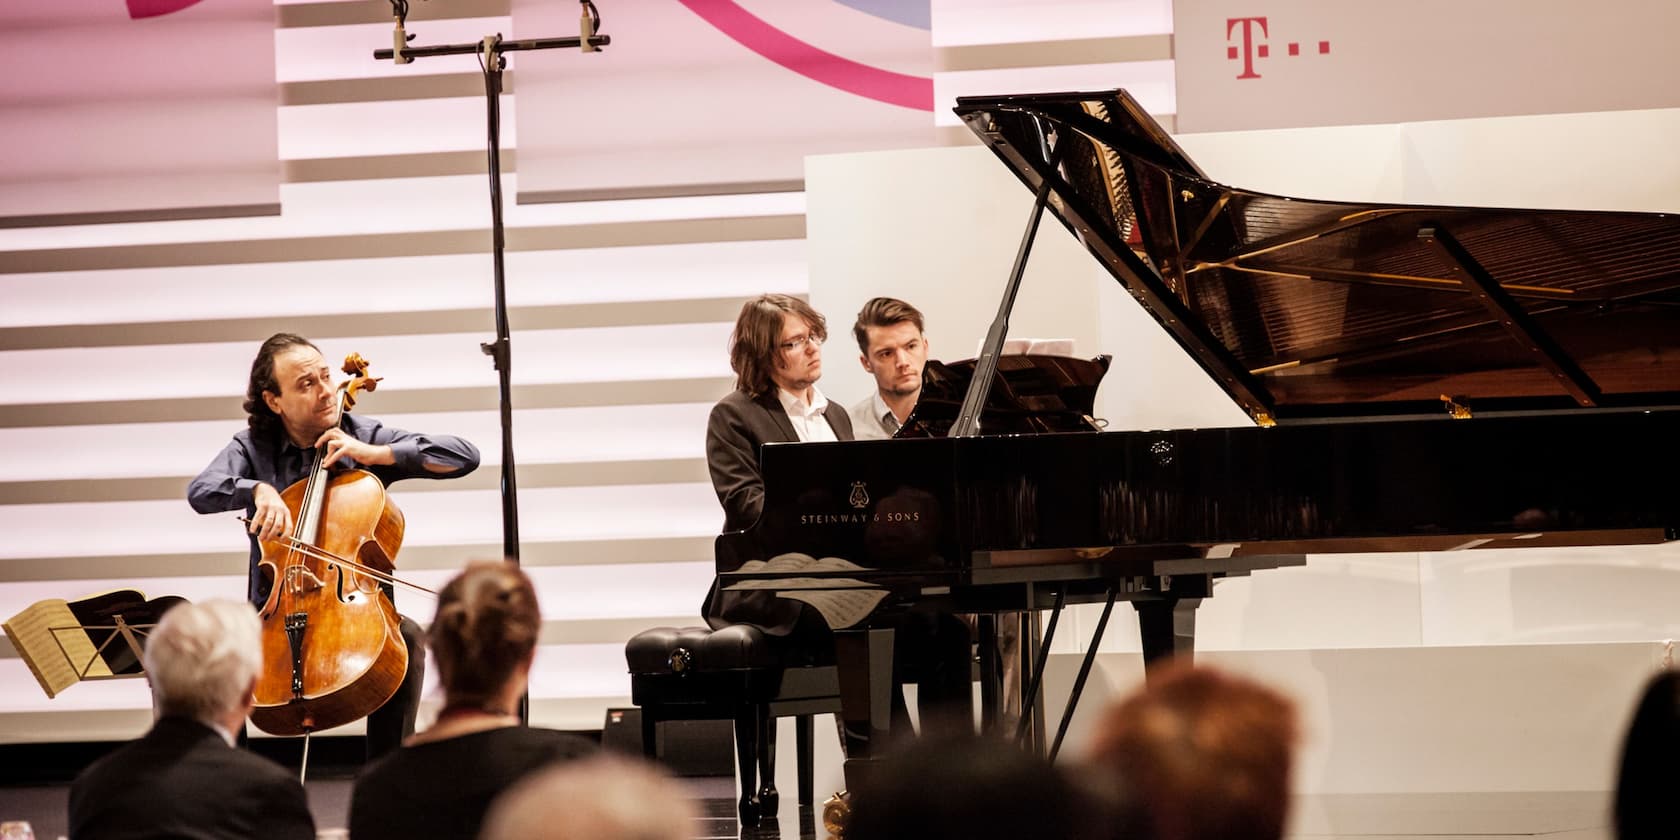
(737, 673)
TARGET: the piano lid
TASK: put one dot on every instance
(1307, 310)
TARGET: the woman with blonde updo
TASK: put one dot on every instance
(442, 781)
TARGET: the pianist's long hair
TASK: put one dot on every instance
(758, 330)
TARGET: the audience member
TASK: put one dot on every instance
(602, 798)
(978, 788)
(1208, 753)
(441, 782)
(185, 777)
(1650, 774)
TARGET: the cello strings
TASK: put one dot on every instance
(319, 553)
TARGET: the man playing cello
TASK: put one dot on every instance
(292, 409)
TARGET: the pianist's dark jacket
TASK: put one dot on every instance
(738, 428)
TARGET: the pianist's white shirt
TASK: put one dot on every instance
(808, 420)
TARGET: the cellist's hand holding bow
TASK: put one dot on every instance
(271, 517)
(341, 446)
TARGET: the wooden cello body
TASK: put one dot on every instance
(332, 644)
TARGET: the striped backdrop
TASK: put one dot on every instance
(124, 347)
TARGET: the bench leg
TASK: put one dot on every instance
(807, 774)
(747, 746)
(768, 799)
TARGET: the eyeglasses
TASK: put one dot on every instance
(799, 344)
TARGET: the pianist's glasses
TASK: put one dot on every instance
(799, 344)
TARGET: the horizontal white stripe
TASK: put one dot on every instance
(596, 354)
(1150, 82)
(400, 205)
(541, 436)
(550, 514)
(560, 671)
(565, 593)
(410, 126)
(404, 284)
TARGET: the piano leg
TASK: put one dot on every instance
(1168, 628)
(865, 662)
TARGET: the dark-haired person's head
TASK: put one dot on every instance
(894, 350)
(484, 636)
(777, 343)
(290, 390)
(1650, 772)
(1209, 753)
(977, 789)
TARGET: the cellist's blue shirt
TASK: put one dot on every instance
(229, 481)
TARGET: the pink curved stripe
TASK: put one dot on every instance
(810, 61)
(152, 8)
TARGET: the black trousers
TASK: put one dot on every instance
(392, 723)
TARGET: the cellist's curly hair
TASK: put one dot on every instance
(486, 625)
(262, 421)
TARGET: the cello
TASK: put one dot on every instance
(332, 647)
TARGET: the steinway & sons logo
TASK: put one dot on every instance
(858, 498)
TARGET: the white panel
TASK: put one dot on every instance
(446, 517)
(939, 228)
(596, 354)
(19, 692)
(1525, 596)
(962, 22)
(313, 53)
(1502, 718)
(1342, 163)
(405, 284)
(1149, 82)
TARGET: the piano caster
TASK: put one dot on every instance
(836, 813)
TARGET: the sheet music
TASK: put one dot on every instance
(54, 656)
(842, 602)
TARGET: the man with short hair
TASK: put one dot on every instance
(185, 777)
(292, 411)
(894, 351)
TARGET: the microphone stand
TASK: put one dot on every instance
(490, 57)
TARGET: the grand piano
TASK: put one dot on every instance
(1419, 379)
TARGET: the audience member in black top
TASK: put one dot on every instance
(185, 778)
(1650, 774)
(977, 789)
(1207, 754)
(442, 781)
(601, 798)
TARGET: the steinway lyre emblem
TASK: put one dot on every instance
(860, 495)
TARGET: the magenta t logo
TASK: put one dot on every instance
(1249, 50)
(152, 8)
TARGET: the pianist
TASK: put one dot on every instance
(776, 353)
(894, 351)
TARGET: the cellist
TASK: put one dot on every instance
(291, 408)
